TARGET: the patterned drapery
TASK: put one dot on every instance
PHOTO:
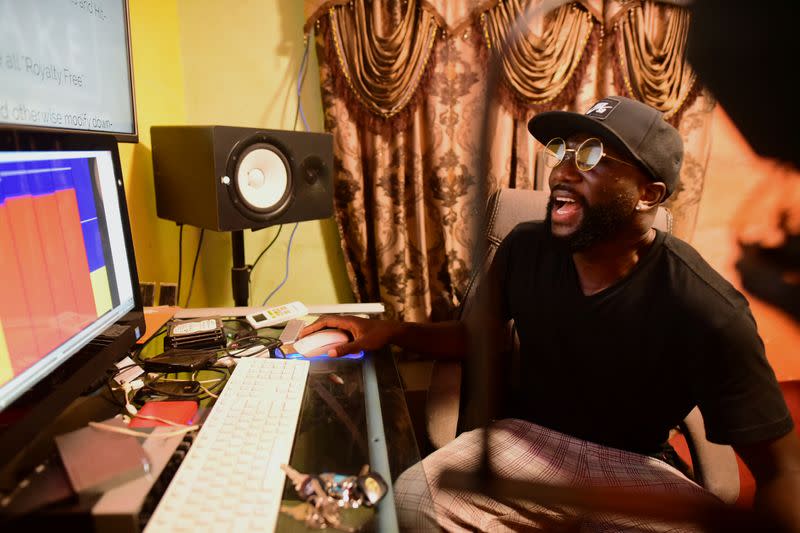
(403, 82)
(382, 55)
(649, 44)
(541, 69)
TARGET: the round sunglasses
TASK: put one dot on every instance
(587, 155)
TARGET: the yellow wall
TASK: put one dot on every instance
(228, 63)
(158, 77)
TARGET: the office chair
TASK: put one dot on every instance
(714, 465)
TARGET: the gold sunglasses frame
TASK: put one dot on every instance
(603, 154)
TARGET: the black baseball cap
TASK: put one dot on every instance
(632, 127)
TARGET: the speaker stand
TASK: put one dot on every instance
(240, 272)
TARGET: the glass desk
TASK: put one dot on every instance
(345, 423)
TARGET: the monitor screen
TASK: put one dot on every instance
(66, 65)
(65, 271)
(69, 292)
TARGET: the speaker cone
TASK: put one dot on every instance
(262, 181)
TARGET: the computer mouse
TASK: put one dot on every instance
(319, 342)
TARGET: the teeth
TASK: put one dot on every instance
(562, 199)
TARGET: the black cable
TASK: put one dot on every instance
(112, 378)
(194, 267)
(237, 344)
(152, 387)
(245, 343)
(180, 263)
(121, 369)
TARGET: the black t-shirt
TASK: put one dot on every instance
(623, 366)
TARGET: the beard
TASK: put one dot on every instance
(598, 222)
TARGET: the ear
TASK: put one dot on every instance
(651, 194)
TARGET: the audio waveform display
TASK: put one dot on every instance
(54, 278)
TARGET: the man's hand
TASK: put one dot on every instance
(367, 334)
(440, 340)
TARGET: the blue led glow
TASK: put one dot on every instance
(279, 354)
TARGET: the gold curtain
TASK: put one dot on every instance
(382, 54)
(539, 68)
(402, 85)
(650, 60)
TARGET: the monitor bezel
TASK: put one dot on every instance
(119, 136)
(87, 367)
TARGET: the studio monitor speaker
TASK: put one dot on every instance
(229, 178)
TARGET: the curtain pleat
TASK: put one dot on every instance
(382, 56)
(650, 44)
(538, 67)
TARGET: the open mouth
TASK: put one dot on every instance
(565, 208)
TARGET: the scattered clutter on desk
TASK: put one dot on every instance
(210, 345)
(155, 386)
(178, 388)
(206, 333)
(155, 318)
(127, 371)
(240, 341)
(180, 360)
(328, 493)
(252, 345)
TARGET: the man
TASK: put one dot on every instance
(622, 330)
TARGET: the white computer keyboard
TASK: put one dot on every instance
(231, 479)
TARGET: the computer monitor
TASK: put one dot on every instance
(66, 66)
(69, 294)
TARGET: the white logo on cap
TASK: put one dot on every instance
(603, 109)
(600, 108)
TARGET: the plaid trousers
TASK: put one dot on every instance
(524, 451)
